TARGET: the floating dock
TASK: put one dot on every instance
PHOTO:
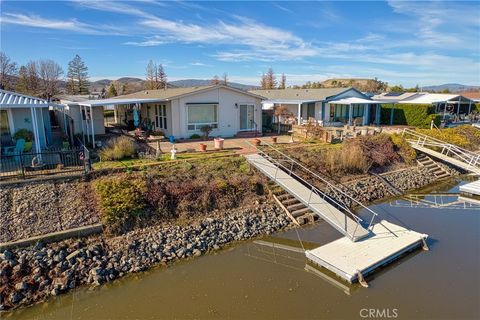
(472, 188)
(348, 259)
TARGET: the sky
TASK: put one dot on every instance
(406, 43)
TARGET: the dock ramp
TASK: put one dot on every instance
(441, 150)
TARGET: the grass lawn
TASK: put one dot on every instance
(133, 162)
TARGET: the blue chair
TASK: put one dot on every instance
(16, 150)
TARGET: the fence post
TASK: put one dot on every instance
(21, 164)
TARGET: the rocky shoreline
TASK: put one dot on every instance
(33, 274)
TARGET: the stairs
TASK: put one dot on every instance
(432, 166)
(248, 134)
(296, 210)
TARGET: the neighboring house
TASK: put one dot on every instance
(328, 106)
(182, 112)
(18, 112)
(451, 103)
(77, 119)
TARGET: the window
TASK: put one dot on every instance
(199, 115)
(357, 110)
(161, 116)
(339, 112)
(4, 125)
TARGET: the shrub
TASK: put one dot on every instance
(119, 197)
(408, 114)
(117, 149)
(195, 136)
(24, 134)
(378, 149)
(403, 148)
(465, 136)
(437, 119)
(349, 159)
(206, 131)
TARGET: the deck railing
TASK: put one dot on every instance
(64, 162)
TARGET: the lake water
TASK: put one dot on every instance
(254, 280)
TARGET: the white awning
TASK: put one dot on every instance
(9, 99)
(108, 102)
(353, 100)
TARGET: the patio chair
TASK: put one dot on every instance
(16, 150)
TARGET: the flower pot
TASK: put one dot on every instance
(274, 140)
(218, 143)
(203, 147)
(256, 142)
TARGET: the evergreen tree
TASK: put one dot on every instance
(103, 93)
(125, 88)
(77, 76)
(22, 83)
(263, 82)
(270, 79)
(162, 78)
(283, 82)
(112, 91)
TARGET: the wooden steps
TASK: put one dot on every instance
(432, 166)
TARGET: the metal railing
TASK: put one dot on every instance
(292, 167)
(65, 161)
(471, 159)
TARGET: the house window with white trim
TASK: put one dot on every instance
(200, 115)
(4, 124)
(161, 116)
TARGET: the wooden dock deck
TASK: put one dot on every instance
(472, 188)
(346, 258)
(336, 218)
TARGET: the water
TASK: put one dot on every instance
(253, 281)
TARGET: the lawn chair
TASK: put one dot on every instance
(16, 150)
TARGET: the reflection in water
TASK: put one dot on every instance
(436, 201)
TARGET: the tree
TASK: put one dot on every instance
(8, 69)
(215, 81)
(162, 78)
(125, 88)
(396, 89)
(445, 90)
(283, 82)
(103, 94)
(263, 82)
(33, 83)
(77, 75)
(112, 91)
(49, 73)
(22, 83)
(150, 76)
(225, 79)
(270, 79)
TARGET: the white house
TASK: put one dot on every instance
(328, 106)
(18, 111)
(182, 112)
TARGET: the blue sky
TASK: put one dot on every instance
(405, 43)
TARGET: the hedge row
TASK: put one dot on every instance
(410, 114)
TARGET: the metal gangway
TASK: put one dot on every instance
(455, 155)
(330, 203)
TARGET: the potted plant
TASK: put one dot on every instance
(257, 142)
(203, 147)
(274, 140)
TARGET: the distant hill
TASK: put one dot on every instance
(452, 87)
(202, 82)
(345, 82)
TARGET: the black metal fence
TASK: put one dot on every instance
(71, 161)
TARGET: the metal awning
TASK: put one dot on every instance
(353, 100)
(109, 102)
(9, 99)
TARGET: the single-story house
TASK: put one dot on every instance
(444, 103)
(18, 111)
(182, 112)
(328, 106)
(77, 119)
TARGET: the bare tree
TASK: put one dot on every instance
(263, 81)
(225, 79)
(8, 69)
(162, 78)
(49, 73)
(151, 76)
(268, 80)
(215, 81)
(33, 82)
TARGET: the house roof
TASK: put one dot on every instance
(10, 99)
(146, 96)
(474, 95)
(395, 96)
(353, 100)
(300, 94)
(419, 97)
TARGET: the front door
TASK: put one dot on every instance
(247, 116)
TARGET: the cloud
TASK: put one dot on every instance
(198, 64)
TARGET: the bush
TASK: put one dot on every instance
(408, 114)
(437, 119)
(120, 198)
(465, 136)
(347, 159)
(378, 149)
(403, 148)
(118, 149)
(195, 136)
(24, 134)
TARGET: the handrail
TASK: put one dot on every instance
(334, 189)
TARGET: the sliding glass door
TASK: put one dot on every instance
(247, 117)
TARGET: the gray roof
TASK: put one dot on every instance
(300, 94)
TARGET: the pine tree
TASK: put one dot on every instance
(77, 76)
(125, 88)
(263, 82)
(112, 91)
(162, 77)
(270, 79)
(22, 83)
(283, 82)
